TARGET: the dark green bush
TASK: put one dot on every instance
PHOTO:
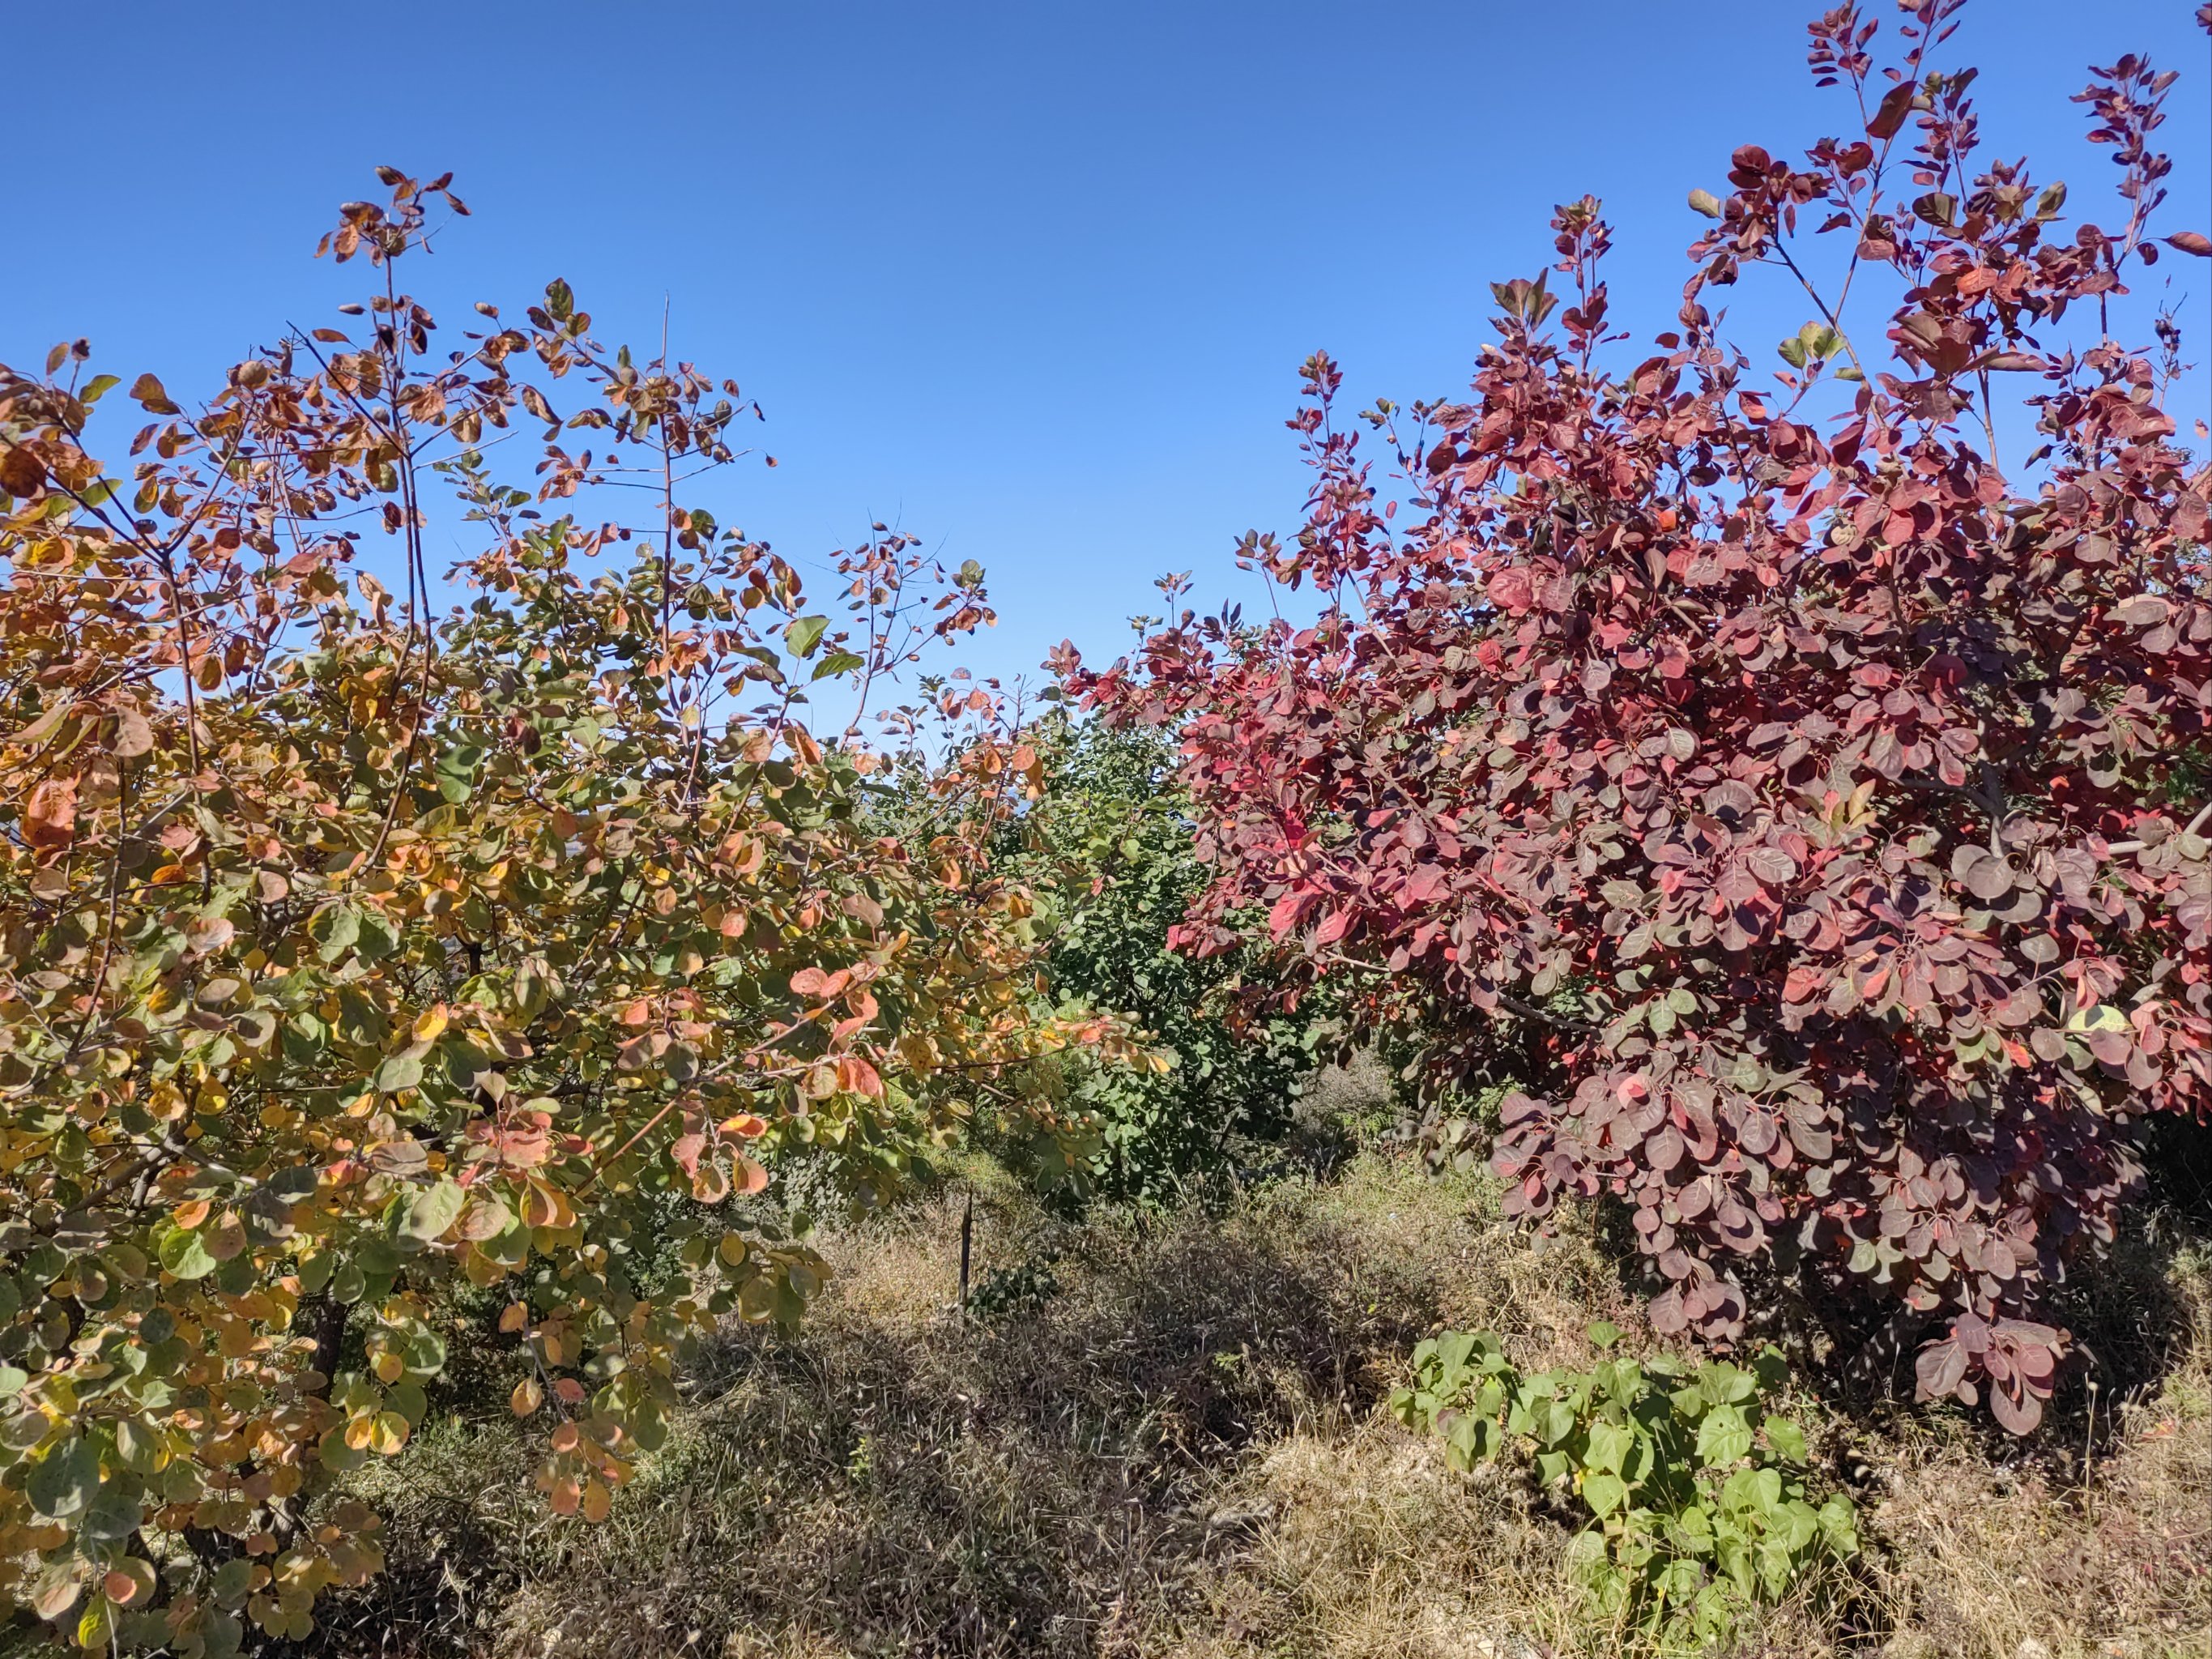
(1110, 847)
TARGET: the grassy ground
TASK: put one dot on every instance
(1165, 1439)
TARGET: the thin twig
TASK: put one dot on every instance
(2204, 815)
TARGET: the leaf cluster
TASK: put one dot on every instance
(1108, 849)
(1693, 1491)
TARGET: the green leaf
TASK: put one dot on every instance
(1797, 1524)
(114, 1512)
(2098, 1016)
(435, 1209)
(408, 1400)
(1840, 1524)
(1604, 1493)
(1775, 1566)
(1724, 1383)
(185, 1253)
(1787, 1439)
(315, 1270)
(838, 662)
(1609, 1447)
(378, 936)
(334, 930)
(1723, 1437)
(1604, 1334)
(426, 1353)
(138, 1445)
(1765, 1489)
(399, 1072)
(1735, 1561)
(233, 1581)
(62, 1482)
(805, 633)
(293, 1185)
(1587, 1562)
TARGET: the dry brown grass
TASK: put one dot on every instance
(1179, 1452)
(1994, 1556)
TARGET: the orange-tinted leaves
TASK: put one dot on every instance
(50, 815)
(354, 982)
(152, 396)
(856, 1075)
(20, 473)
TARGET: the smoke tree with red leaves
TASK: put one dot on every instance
(1811, 800)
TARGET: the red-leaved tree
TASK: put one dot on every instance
(1811, 798)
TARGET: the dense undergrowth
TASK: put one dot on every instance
(1174, 1441)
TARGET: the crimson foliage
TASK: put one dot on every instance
(1823, 791)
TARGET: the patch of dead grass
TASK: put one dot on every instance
(1991, 1558)
(1181, 1452)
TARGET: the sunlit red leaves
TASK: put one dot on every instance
(818, 985)
(1792, 805)
(516, 1139)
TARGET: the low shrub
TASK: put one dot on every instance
(1695, 1490)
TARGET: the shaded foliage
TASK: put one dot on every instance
(1110, 856)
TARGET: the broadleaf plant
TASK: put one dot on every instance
(352, 954)
(1804, 778)
(1107, 850)
(1694, 1489)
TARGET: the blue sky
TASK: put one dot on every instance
(1032, 280)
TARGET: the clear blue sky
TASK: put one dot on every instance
(1032, 279)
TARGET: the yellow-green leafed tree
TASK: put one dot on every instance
(350, 949)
